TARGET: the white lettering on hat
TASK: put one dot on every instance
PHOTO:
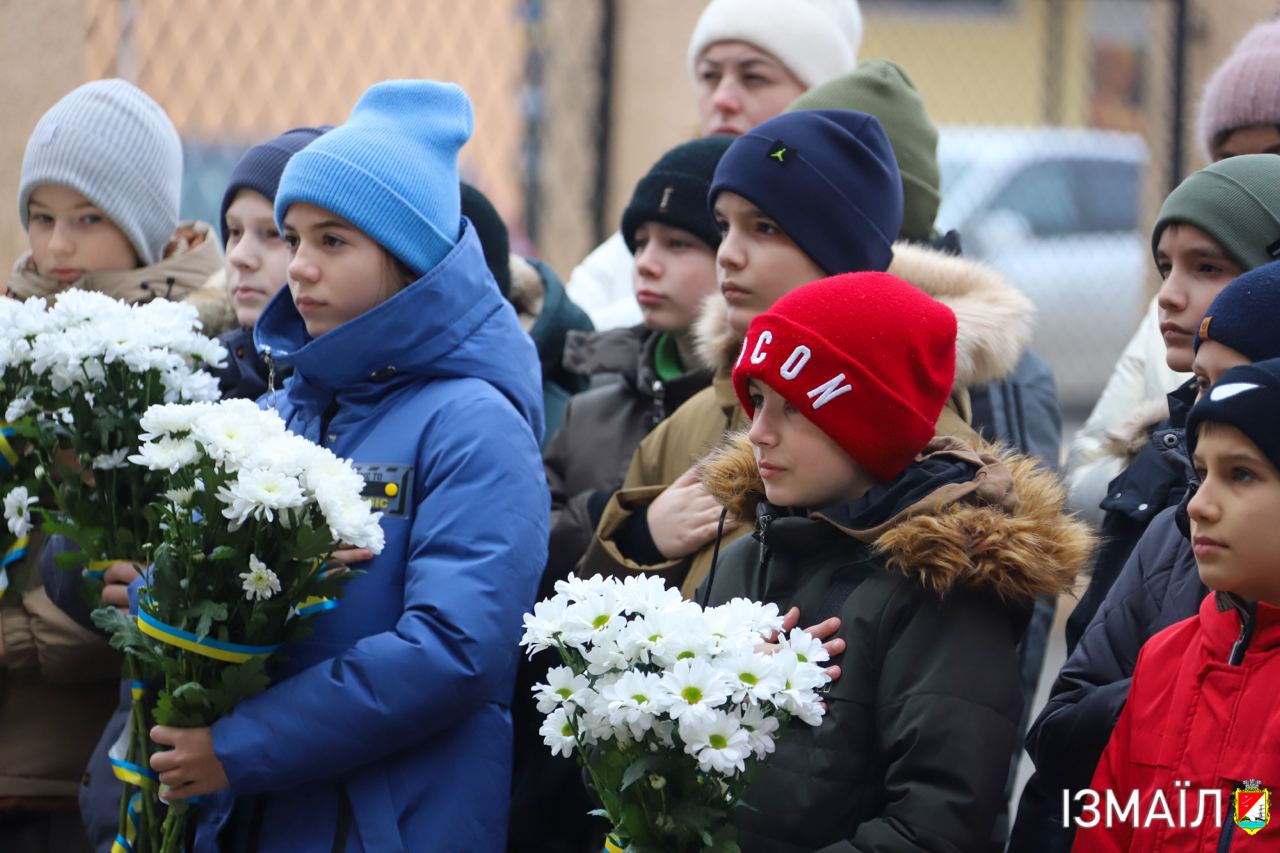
(758, 355)
(828, 391)
(746, 340)
(795, 362)
(1226, 392)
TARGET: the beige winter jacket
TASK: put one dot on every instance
(993, 321)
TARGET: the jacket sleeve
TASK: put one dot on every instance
(476, 546)
(948, 702)
(1038, 412)
(1111, 775)
(1071, 732)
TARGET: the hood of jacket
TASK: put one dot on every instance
(192, 270)
(451, 323)
(548, 314)
(958, 517)
(993, 317)
(1148, 420)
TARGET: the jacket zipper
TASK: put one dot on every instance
(1248, 617)
(659, 409)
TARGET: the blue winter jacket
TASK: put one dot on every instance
(389, 729)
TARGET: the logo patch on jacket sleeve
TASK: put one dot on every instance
(387, 487)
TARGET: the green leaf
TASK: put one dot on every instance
(224, 552)
(207, 612)
(637, 769)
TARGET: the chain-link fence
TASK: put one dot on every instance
(236, 72)
(1063, 121)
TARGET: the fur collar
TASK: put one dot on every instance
(1004, 531)
(993, 318)
(192, 270)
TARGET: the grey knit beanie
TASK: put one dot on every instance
(112, 143)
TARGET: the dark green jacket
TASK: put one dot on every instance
(933, 577)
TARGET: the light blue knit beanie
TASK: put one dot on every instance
(391, 170)
(109, 141)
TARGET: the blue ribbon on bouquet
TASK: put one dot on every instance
(13, 554)
(206, 647)
(8, 456)
(124, 842)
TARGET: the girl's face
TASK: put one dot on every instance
(70, 236)
(1212, 360)
(758, 262)
(800, 464)
(337, 272)
(738, 86)
(1194, 268)
(1257, 139)
(674, 272)
(257, 257)
(1233, 515)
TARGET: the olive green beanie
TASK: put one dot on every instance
(1236, 202)
(883, 89)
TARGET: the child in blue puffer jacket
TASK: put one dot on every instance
(389, 729)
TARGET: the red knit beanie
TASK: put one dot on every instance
(865, 356)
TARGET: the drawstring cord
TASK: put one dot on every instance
(715, 557)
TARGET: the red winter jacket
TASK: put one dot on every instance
(1200, 711)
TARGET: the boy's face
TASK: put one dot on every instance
(758, 263)
(1193, 268)
(1212, 360)
(739, 86)
(257, 257)
(1255, 139)
(70, 236)
(1235, 516)
(674, 272)
(800, 464)
(337, 272)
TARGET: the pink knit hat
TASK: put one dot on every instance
(1245, 90)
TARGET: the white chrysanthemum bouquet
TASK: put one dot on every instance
(667, 705)
(248, 517)
(75, 377)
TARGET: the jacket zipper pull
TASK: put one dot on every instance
(659, 401)
(1248, 616)
(271, 378)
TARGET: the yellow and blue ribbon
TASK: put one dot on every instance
(612, 844)
(124, 842)
(12, 554)
(8, 456)
(313, 605)
(134, 774)
(185, 640)
(98, 568)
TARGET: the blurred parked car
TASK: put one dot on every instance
(1057, 210)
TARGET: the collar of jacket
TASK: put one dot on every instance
(629, 353)
(1221, 622)
(993, 317)
(192, 270)
(451, 323)
(959, 517)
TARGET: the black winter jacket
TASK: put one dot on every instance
(933, 576)
(1155, 480)
(1158, 587)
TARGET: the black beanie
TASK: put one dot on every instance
(674, 191)
(492, 231)
(1245, 397)
(1245, 315)
(830, 181)
(262, 165)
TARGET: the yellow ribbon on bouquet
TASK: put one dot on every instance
(215, 649)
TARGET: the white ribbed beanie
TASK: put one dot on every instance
(112, 143)
(816, 39)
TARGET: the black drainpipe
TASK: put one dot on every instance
(604, 118)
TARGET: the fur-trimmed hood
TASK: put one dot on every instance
(993, 317)
(991, 520)
(192, 270)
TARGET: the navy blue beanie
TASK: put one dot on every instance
(1248, 398)
(828, 178)
(261, 166)
(1245, 315)
(495, 241)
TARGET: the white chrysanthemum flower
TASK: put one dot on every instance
(562, 688)
(801, 681)
(180, 497)
(260, 583)
(17, 510)
(169, 418)
(167, 454)
(183, 383)
(543, 626)
(644, 594)
(595, 614)
(634, 699)
(717, 741)
(694, 688)
(579, 589)
(109, 461)
(260, 492)
(352, 519)
(808, 648)
(760, 728)
(742, 619)
(19, 407)
(753, 676)
(557, 733)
